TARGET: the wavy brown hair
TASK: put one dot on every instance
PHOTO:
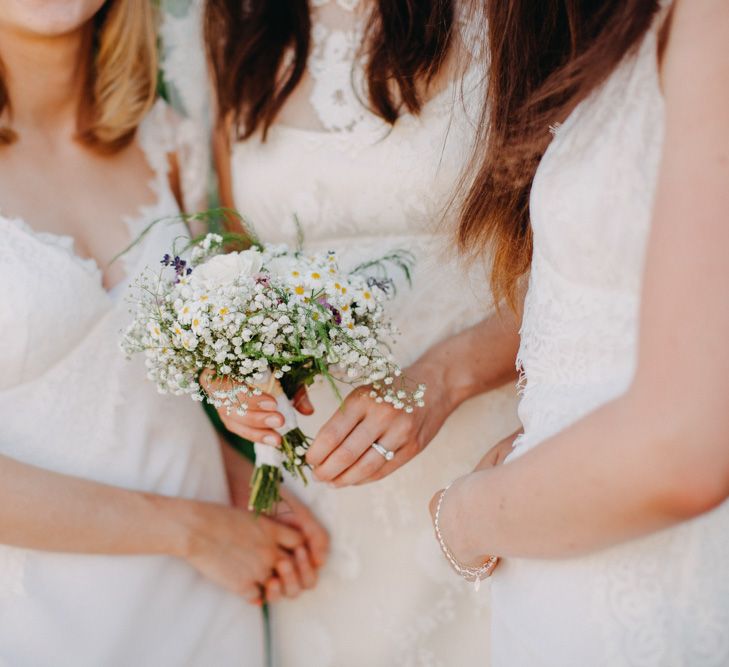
(546, 57)
(121, 77)
(259, 49)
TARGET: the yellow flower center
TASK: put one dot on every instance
(299, 289)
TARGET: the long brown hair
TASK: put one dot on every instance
(259, 49)
(546, 57)
(122, 77)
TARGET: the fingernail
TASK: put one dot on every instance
(270, 440)
(267, 405)
(273, 421)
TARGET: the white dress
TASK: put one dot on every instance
(658, 601)
(386, 598)
(70, 402)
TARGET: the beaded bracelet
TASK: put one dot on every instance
(470, 574)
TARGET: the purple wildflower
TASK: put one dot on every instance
(336, 315)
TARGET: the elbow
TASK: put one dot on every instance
(697, 483)
(687, 450)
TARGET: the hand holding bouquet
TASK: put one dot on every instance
(270, 319)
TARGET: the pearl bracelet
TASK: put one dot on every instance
(470, 574)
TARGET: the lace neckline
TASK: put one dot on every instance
(134, 222)
(334, 100)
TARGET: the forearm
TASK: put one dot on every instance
(605, 480)
(52, 512)
(238, 471)
(477, 360)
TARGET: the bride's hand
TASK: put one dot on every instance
(262, 417)
(292, 575)
(342, 452)
(234, 548)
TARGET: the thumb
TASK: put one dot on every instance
(302, 403)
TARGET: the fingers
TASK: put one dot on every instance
(293, 577)
(259, 420)
(368, 465)
(266, 436)
(349, 451)
(317, 537)
(274, 590)
(497, 454)
(333, 433)
(288, 575)
(251, 592)
(318, 543)
(403, 456)
(402, 438)
(302, 403)
(286, 537)
(307, 572)
(299, 515)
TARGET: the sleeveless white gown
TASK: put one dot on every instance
(660, 601)
(70, 402)
(386, 598)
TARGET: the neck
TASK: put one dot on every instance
(44, 77)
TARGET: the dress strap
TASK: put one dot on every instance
(164, 133)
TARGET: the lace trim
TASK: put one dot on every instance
(64, 242)
(338, 86)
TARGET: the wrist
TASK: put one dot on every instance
(238, 470)
(177, 526)
(448, 384)
(460, 531)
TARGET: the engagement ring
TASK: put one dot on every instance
(386, 453)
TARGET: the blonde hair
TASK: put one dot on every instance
(121, 84)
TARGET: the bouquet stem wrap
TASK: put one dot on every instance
(272, 460)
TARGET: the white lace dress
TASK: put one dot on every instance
(660, 601)
(70, 402)
(386, 598)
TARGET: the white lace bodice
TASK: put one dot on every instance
(590, 229)
(662, 600)
(71, 403)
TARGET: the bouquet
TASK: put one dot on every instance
(268, 318)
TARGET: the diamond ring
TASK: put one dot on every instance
(386, 453)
